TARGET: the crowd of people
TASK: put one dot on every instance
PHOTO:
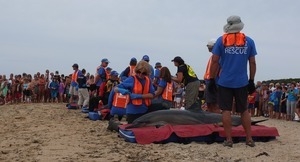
(141, 88)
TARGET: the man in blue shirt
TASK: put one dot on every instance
(101, 75)
(231, 53)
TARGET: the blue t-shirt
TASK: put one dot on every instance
(102, 73)
(128, 84)
(163, 85)
(152, 72)
(233, 62)
(292, 94)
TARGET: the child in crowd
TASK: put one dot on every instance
(26, 91)
(18, 91)
(67, 88)
(283, 103)
(61, 90)
(178, 95)
(277, 98)
(54, 86)
(265, 99)
(251, 103)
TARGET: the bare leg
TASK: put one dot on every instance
(246, 122)
(226, 118)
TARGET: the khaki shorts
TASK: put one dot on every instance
(73, 91)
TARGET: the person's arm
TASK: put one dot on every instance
(179, 77)
(252, 67)
(158, 91)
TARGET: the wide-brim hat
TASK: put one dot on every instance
(234, 25)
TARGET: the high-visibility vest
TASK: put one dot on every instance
(234, 39)
(207, 72)
(139, 89)
(120, 100)
(75, 76)
(168, 92)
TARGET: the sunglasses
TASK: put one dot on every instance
(144, 73)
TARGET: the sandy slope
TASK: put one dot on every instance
(50, 132)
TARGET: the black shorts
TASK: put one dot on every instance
(210, 98)
(228, 96)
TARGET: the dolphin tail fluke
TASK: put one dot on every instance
(258, 121)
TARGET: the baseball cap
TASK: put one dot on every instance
(145, 58)
(158, 64)
(114, 73)
(75, 65)
(177, 59)
(105, 60)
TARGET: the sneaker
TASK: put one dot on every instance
(250, 143)
(124, 119)
(116, 118)
(227, 143)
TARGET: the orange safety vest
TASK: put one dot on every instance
(131, 71)
(168, 92)
(120, 100)
(231, 39)
(75, 76)
(207, 72)
(139, 89)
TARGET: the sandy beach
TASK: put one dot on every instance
(50, 132)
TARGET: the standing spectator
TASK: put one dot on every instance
(298, 102)
(54, 86)
(101, 77)
(258, 99)
(233, 51)
(278, 93)
(140, 89)
(283, 103)
(83, 93)
(210, 97)
(42, 85)
(3, 87)
(251, 103)
(61, 89)
(291, 101)
(186, 75)
(73, 91)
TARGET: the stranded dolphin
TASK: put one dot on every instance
(182, 117)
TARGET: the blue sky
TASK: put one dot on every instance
(36, 35)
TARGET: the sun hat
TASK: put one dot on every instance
(234, 24)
